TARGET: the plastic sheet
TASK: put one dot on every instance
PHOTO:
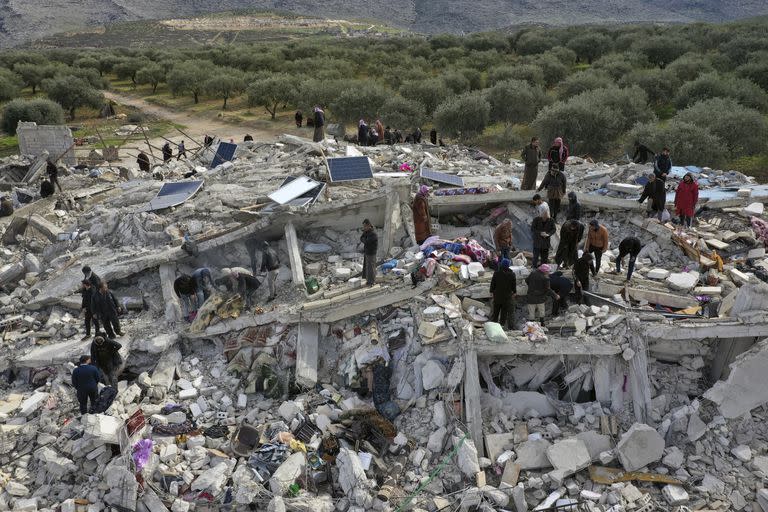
(142, 451)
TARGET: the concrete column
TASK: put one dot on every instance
(473, 415)
(306, 354)
(391, 224)
(640, 384)
(172, 307)
(726, 352)
(294, 254)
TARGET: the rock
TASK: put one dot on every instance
(696, 428)
(436, 439)
(742, 452)
(276, 504)
(287, 473)
(639, 446)
(762, 499)
(123, 487)
(432, 375)
(760, 463)
(499, 498)
(713, 484)
(351, 472)
(16, 489)
(288, 410)
(596, 443)
(569, 455)
(674, 458)
(675, 495)
(753, 209)
(657, 273)
(438, 414)
(214, 478)
(467, 458)
(518, 498)
(532, 454)
(683, 281)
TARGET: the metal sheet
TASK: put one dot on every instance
(224, 153)
(442, 177)
(349, 168)
(172, 194)
(293, 189)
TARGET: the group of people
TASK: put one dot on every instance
(377, 133)
(168, 153)
(531, 155)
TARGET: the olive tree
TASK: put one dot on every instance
(463, 116)
(38, 110)
(271, 92)
(72, 93)
(402, 113)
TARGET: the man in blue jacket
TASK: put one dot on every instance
(85, 379)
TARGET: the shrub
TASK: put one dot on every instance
(272, 91)
(10, 85)
(756, 70)
(714, 85)
(229, 82)
(515, 101)
(690, 66)
(463, 116)
(583, 81)
(429, 93)
(659, 84)
(190, 77)
(590, 45)
(151, 74)
(689, 144)
(135, 118)
(662, 49)
(403, 113)
(39, 110)
(72, 93)
(530, 73)
(532, 42)
(455, 81)
(364, 100)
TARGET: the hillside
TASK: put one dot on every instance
(26, 20)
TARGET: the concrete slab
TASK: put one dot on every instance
(639, 446)
(747, 384)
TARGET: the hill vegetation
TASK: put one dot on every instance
(700, 89)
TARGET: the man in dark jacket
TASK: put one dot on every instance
(91, 276)
(53, 173)
(554, 182)
(270, 265)
(562, 286)
(656, 194)
(240, 281)
(581, 270)
(105, 308)
(46, 188)
(433, 136)
(641, 153)
(85, 380)
(105, 353)
(662, 165)
(185, 289)
(167, 152)
(182, 151)
(571, 233)
(370, 243)
(299, 118)
(87, 291)
(629, 246)
(531, 155)
(574, 207)
(6, 207)
(504, 291)
(542, 229)
(143, 161)
(362, 133)
(538, 291)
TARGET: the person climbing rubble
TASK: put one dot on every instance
(504, 292)
(597, 243)
(558, 154)
(502, 237)
(562, 286)
(105, 308)
(422, 224)
(554, 182)
(662, 164)
(185, 288)
(531, 156)
(239, 280)
(538, 291)
(574, 207)
(105, 353)
(85, 380)
(87, 290)
(686, 197)
(370, 243)
(571, 233)
(542, 229)
(53, 173)
(629, 246)
(581, 270)
(143, 161)
(270, 266)
(6, 207)
(46, 188)
(656, 193)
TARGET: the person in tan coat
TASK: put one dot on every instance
(597, 243)
(502, 237)
(420, 209)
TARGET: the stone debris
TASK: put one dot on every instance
(403, 395)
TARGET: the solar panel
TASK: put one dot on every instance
(293, 189)
(441, 177)
(172, 194)
(224, 153)
(349, 168)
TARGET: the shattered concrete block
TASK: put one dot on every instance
(499, 498)
(289, 410)
(432, 375)
(186, 394)
(467, 458)
(674, 458)
(436, 439)
(532, 454)
(683, 281)
(675, 495)
(657, 273)
(569, 456)
(16, 489)
(427, 329)
(26, 505)
(169, 452)
(287, 473)
(742, 452)
(762, 499)
(102, 427)
(696, 428)
(351, 472)
(180, 505)
(123, 487)
(640, 446)
(438, 414)
(753, 209)
(631, 493)
(596, 443)
(55, 465)
(214, 478)
(518, 498)
(33, 403)
(747, 383)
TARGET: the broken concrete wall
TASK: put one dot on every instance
(747, 384)
(56, 140)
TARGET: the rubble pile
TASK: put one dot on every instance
(401, 395)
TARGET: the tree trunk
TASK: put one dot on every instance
(195, 95)
(225, 102)
(72, 113)
(34, 88)
(154, 87)
(274, 111)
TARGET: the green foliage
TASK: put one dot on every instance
(10, 85)
(756, 69)
(743, 130)
(590, 45)
(689, 144)
(32, 74)
(515, 101)
(190, 77)
(88, 74)
(403, 113)
(690, 66)
(128, 68)
(226, 83)
(552, 67)
(271, 92)
(463, 116)
(714, 85)
(660, 85)
(152, 74)
(535, 41)
(429, 93)
(88, 62)
(530, 73)
(583, 81)
(38, 110)
(663, 49)
(455, 81)
(740, 47)
(361, 100)
(616, 65)
(72, 93)
(314, 91)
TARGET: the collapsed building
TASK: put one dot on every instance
(398, 396)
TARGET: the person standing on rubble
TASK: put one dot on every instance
(299, 118)
(571, 233)
(656, 193)
(417, 135)
(558, 154)
(46, 188)
(581, 271)
(182, 151)
(105, 353)
(362, 132)
(207, 140)
(531, 155)
(370, 242)
(6, 207)
(686, 197)
(662, 165)
(641, 153)
(143, 161)
(87, 291)
(248, 138)
(562, 286)
(574, 207)
(105, 308)
(597, 243)
(539, 205)
(433, 136)
(319, 123)
(504, 292)
(53, 173)
(85, 380)
(379, 131)
(629, 246)
(270, 264)
(389, 137)
(538, 291)
(422, 225)
(167, 152)
(91, 276)
(203, 283)
(502, 237)
(542, 229)
(554, 182)
(240, 281)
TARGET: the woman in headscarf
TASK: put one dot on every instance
(558, 153)
(362, 133)
(421, 222)
(686, 197)
(379, 131)
(319, 122)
